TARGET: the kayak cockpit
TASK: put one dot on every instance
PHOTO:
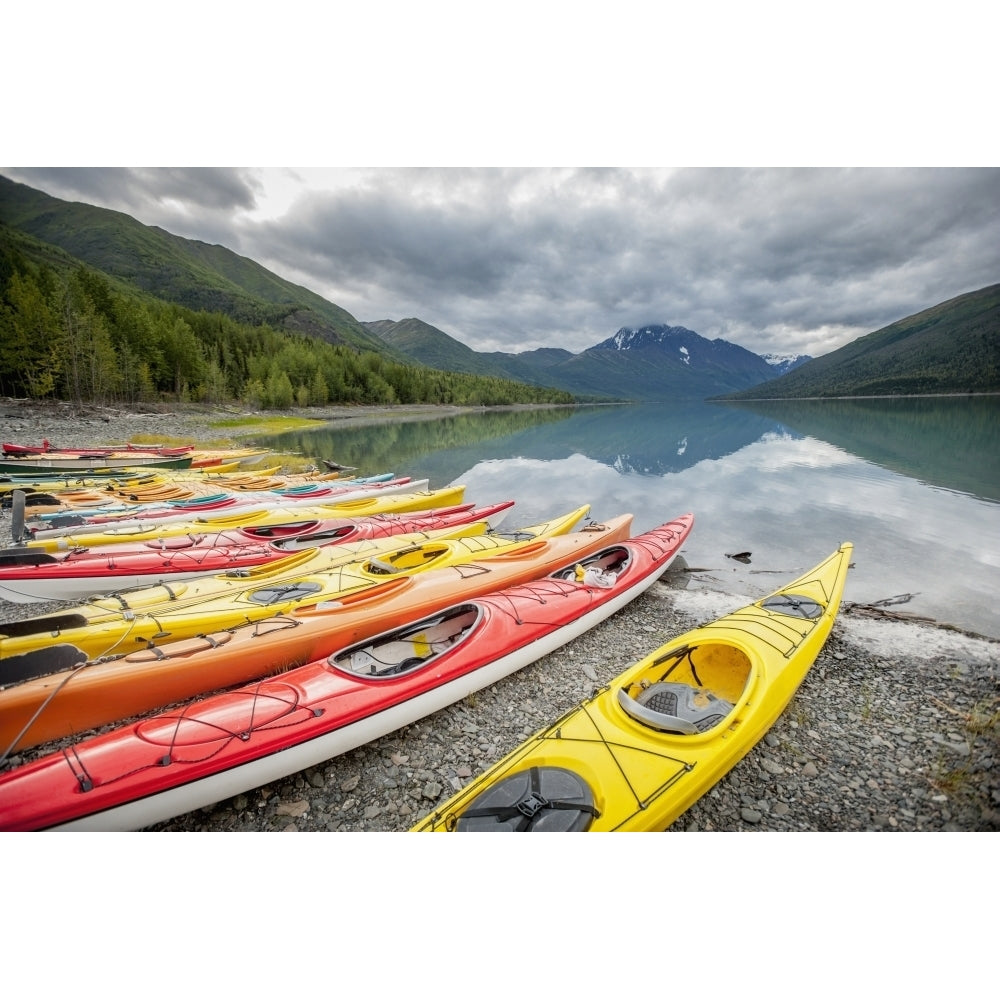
(690, 690)
(406, 649)
(608, 563)
(406, 560)
(342, 534)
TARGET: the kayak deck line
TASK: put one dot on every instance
(643, 748)
(355, 687)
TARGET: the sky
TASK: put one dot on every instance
(810, 182)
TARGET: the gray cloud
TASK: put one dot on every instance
(783, 260)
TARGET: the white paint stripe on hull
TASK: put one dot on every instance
(217, 787)
(80, 590)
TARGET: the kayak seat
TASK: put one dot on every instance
(675, 708)
(380, 566)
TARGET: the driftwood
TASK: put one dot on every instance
(879, 609)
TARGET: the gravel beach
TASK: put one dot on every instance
(896, 728)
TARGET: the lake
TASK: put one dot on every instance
(914, 483)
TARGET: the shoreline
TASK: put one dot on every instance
(897, 726)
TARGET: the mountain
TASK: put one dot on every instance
(652, 362)
(951, 347)
(782, 364)
(419, 341)
(187, 272)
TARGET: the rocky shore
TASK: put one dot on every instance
(896, 728)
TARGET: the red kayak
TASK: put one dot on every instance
(12, 450)
(30, 576)
(219, 746)
(49, 526)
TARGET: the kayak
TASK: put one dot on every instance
(202, 458)
(100, 625)
(97, 483)
(12, 450)
(162, 491)
(84, 695)
(211, 499)
(412, 496)
(211, 505)
(198, 458)
(294, 526)
(30, 576)
(645, 748)
(219, 746)
(35, 647)
(92, 463)
(63, 496)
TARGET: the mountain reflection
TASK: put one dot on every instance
(644, 439)
(947, 441)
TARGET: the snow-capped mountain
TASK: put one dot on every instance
(651, 362)
(784, 363)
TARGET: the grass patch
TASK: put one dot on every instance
(160, 439)
(199, 441)
(292, 464)
(950, 781)
(251, 424)
(981, 721)
(867, 701)
(799, 714)
(984, 719)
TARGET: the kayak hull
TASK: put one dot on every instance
(88, 464)
(29, 577)
(182, 522)
(160, 767)
(118, 504)
(645, 748)
(60, 687)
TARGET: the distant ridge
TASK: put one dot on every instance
(652, 362)
(951, 347)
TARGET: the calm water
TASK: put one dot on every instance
(914, 483)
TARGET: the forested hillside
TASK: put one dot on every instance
(188, 273)
(951, 347)
(70, 332)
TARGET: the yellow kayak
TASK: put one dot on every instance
(150, 529)
(151, 616)
(83, 496)
(642, 750)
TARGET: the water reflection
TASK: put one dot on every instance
(787, 482)
(946, 441)
(643, 439)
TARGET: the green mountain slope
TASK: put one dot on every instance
(646, 371)
(951, 347)
(187, 272)
(428, 345)
(432, 347)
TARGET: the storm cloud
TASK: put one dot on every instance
(777, 260)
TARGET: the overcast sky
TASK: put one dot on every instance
(506, 257)
(776, 260)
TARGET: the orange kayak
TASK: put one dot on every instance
(99, 691)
